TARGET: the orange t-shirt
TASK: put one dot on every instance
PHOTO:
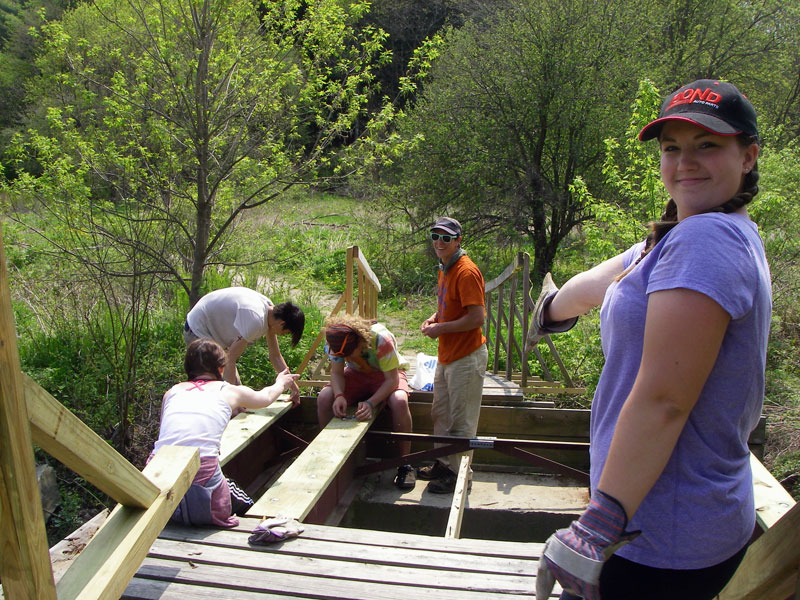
(460, 287)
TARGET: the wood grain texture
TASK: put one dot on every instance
(110, 559)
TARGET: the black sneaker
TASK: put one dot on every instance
(445, 484)
(405, 479)
(434, 471)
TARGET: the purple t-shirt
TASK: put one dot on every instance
(701, 509)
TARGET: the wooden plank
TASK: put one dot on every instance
(365, 269)
(64, 553)
(382, 547)
(453, 529)
(348, 283)
(333, 563)
(572, 391)
(280, 561)
(770, 567)
(526, 300)
(509, 421)
(297, 490)
(485, 548)
(509, 271)
(163, 589)
(348, 587)
(772, 500)
(247, 426)
(24, 559)
(107, 563)
(557, 358)
(68, 439)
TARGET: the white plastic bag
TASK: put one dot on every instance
(426, 368)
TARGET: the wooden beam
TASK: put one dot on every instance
(68, 439)
(24, 558)
(247, 426)
(770, 567)
(106, 565)
(64, 553)
(453, 530)
(772, 500)
(557, 358)
(302, 484)
(509, 271)
(365, 269)
(525, 321)
(348, 283)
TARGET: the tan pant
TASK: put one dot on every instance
(457, 392)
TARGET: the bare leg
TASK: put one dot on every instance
(401, 418)
(325, 406)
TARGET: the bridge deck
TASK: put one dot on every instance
(328, 562)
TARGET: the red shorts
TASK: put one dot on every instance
(359, 386)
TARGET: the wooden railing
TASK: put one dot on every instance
(505, 295)
(28, 415)
(360, 297)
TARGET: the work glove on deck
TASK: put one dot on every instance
(538, 329)
(574, 556)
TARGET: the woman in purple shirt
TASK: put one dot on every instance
(684, 324)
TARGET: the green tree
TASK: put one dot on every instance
(195, 112)
(159, 123)
(17, 52)
(518, 106)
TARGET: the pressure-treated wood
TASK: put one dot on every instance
(769, 570)
(772, 500)
(68, 439)
(328, 562)
(453, 529)
(24, 559)
(247, 426)
(297, 490)
(107, 563)
(360, 297)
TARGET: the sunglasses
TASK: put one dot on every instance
(443, 236)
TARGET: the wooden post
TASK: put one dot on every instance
(498, 334)
(25, 560)
(526, 311)
(352, 252)
(512, 296)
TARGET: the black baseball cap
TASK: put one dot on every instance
(449, 225)
(716, 106)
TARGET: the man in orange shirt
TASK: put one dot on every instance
(458, 383)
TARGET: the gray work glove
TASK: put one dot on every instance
(575, 556)
(538, 329)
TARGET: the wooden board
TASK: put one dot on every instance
(770, 566)
(453, 529)
(297, 490)
(110, 559)
(772, 500)
(68, 439)
(24, 565)
(245, 427)
(327, 562)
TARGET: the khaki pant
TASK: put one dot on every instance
(457, 392)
